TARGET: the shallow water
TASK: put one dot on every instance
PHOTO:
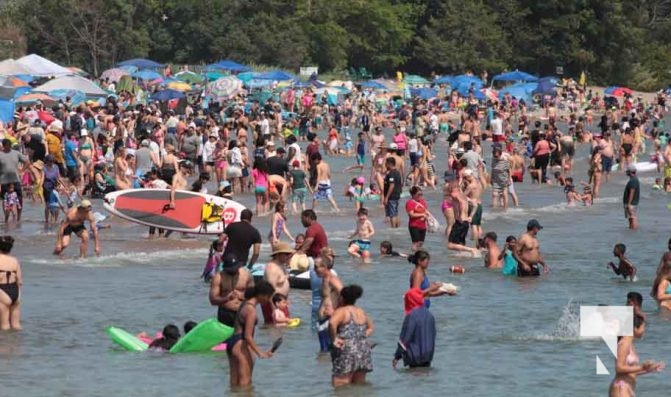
(500, 336)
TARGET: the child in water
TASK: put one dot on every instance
(280, 318)
(387, 249)
(11, 204)
(360, 248)
(635, 299)
(569, 189)
(624, 268)
(167, 341)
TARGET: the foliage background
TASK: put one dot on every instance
(614, 41)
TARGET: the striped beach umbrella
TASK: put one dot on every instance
(225, 87)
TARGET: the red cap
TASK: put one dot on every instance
(413, 299)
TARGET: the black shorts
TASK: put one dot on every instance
(458, 233)
(210, 163)
(417, 235)
(73, 229)
(226, 316)
(17, 188)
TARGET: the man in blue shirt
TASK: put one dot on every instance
(418, 334)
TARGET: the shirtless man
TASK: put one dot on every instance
(517, 166)
(457, 237)
(276, 274)
(323, 191)
(179, 181)
(607, 154)
(493, 259)
(74, 223)
(227, 289)
(473, 193)
(360, 248)
(567, 150)
(527, 252)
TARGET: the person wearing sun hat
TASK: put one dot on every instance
(417, 340)
(276, 274)
(74, 222)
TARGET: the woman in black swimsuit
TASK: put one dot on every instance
(10, 284)
(241, 347)
(626, 146)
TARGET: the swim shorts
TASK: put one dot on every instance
(477, 216)
(459, 233)
(324, 191)
(417, 235)
(630, 212)
(391, 209)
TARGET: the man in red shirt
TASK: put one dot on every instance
(315, 235)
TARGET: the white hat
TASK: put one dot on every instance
(192, 125)
(83, 132)
(393, 146)
(468, 172)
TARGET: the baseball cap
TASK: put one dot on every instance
(145, 142)
(631, 168)
(192, 125)
(224, 184)
(468, 172)
(83, 132)
(534, 224)
(393, 146)
(85, 205)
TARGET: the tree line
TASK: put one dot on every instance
(613, 41)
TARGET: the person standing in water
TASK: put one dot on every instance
(393, 186)
(227, 288)
(627, 366)
(350, 328)
(527, 252)
(473, 193)
(74, 223)
(276, 274)
(10, 289)
(631, 196)
(241, 347)
(419, 278)
(418, 333)
(624, 268)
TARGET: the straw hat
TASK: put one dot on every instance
(282, 248)
(39, 165)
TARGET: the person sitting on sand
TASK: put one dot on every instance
(624, 268)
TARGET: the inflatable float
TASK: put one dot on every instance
(205, 336)
(642, 166)
(297, 279)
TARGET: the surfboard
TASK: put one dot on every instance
(206, 335)
(642, 166)
(194, 212)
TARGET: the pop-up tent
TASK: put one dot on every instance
(40, 66)
(10, 67)
(89, 88)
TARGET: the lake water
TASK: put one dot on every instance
(499, 337)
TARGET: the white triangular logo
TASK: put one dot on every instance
(600, 368)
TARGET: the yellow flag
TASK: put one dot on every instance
(583, 79)
(399, 76)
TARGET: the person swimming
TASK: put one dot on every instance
(167, 341)
(387, 249)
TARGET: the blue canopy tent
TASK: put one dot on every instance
(276, 75)
(521, 91)
(515, 76)
(166, 95)
(467, 80)
(463, 89)
(141, 63)
(546, 85)
(444, 80)
(228, 64)
(376, 85)
(423, 93)
(76, 96)
(146, 75)
(6, 110)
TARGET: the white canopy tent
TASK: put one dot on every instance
(40, 66)
(73, 82)
(11, 67)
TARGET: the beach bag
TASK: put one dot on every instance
(432, 224)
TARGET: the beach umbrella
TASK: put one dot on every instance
(618, 91)
(214, 75)
(443, 80)
(141, 63)
(78, 71)
(515, 76)
(129, 68)
(228, 64)
(75, 96)
(523, 91)
(189, 77)
(413, 79)
(179, 86)
(247, 76)
(423, 93)
(146, 75)
(36, 97)
(166, 95)
(114, 74)
(225, 87)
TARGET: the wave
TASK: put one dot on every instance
(557, 208)
(126, 258)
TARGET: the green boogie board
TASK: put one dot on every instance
(206, 335)
(126, 340)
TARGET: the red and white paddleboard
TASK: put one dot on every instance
(194, 212)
